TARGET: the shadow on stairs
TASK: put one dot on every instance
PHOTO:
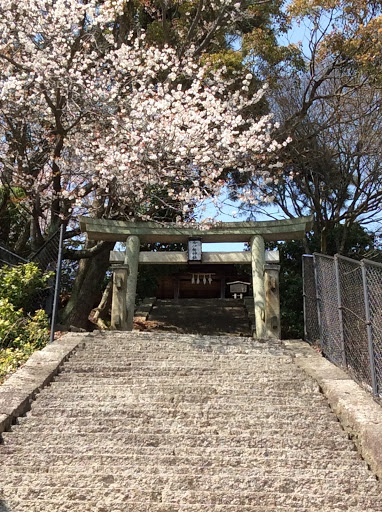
(201, 316)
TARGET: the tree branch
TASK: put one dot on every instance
(75, 255)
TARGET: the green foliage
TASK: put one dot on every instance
(12, 218)
(19, 284)
(357, 241)
(10, 360)
(156, 33)
(292, 317)
(22, 330)
(20, 336)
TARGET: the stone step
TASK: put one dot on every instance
(136, 417)
(180, 338)
(184, 386)
(186, 471)
(110, 448)
(192, 402)
(313, 497)
(196, 346)
(103, 397)
(172, 351)
(167, 386)
(166, 351)
(104, 505)
(167, 343)
(144, 483)
(207, 302)
(287, 460)
(246, 374)
(150, 421)
(173, 372)
(334, 443)
(185, 410)
(192, 340)
(30, 427)
(176, 380)
(184, 375)
(120, 365)
(164, 423)
(237, 309)
(281, 419)
(212, 360)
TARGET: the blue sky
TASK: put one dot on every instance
(299, 34)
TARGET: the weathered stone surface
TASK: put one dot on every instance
(13, 403)
(360, 416)
(192, 316)
(18, 391)
(118, 231)
(157, 422)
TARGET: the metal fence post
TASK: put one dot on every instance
(369, 331)
(57, 283)
(318, 299)
(305, 310)
(341, 322)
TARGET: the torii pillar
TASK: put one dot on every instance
(132, 260)
(258, 262)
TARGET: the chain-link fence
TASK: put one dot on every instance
(343, 305)
(311, 325)
(328, 312)
(48, 258)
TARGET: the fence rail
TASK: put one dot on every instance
(343, 314)
(8, 257)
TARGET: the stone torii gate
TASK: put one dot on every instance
(264, 273)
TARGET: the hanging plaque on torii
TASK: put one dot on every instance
(195, 250)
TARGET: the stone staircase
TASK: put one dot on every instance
(197, 316)
(159, 422)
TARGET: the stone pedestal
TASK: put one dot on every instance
(118, 306)
(272, 300)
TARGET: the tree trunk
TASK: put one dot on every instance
(22, 240)
(87, 288)
(324, 239)
(102, 311)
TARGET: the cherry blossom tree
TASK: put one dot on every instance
(81, 116)
(91, 125)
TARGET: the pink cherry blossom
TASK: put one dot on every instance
(84, 121)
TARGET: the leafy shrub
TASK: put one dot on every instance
(17, 330)
(21, 283)
(10, 359)
(22, 330)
